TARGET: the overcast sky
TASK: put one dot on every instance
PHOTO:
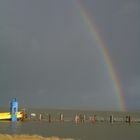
(49, 59)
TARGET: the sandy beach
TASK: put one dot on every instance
(30, 137)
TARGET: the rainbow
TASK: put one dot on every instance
(104, 54)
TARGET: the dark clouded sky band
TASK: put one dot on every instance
(70, 54)
(104, 56)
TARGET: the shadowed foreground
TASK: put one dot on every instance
(29, 137)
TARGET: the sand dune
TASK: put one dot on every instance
(29, 137)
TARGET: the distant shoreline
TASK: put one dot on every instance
(4, 108)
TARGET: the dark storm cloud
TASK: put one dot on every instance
(120, 30)
(49, 59)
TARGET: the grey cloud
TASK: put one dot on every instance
(130, 8)
(47, 53)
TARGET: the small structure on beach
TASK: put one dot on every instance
(14, 114)
(13, 109)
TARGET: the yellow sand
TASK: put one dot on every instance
(29, 137)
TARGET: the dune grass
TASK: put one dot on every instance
(30, 137)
